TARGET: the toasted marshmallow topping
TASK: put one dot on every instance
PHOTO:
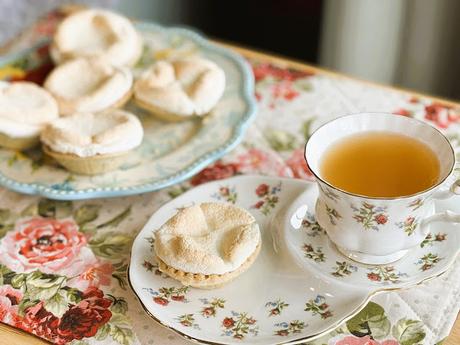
(88, 85)
(24, 109)
(210, 238)
(182, 87)
(97, 33)
(89, 134)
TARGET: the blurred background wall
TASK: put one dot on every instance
(411, 43)
(408, 43)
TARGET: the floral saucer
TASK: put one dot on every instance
(299, 287)
(170, 152)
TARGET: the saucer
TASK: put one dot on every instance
(300, 286)
(311, 248)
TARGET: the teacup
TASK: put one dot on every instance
(379, 230)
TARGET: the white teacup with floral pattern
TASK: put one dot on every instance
(378, 230)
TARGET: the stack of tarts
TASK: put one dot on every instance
(76, 115)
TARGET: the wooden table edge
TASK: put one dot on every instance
(302, 66)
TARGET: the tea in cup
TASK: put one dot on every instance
(378, 176)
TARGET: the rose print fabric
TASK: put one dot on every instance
(63, 264)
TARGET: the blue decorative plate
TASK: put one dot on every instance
(170, 152)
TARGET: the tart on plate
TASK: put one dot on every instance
(25, 108)
(176, 90)
(89, 85)
(97, 33)
(92, 143)
(207, 245)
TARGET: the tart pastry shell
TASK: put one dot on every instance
(22, 143)
(94, 165)
(207, 281)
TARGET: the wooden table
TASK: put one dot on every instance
(12, 336)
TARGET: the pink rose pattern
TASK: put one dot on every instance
(442, 115)
(55, 247)
(46, 244)
(9, 301)
(298, 165)
(251, 161)
(280, 81)
(80, 321)
(95, 276)
(264, 162)
(54, 250)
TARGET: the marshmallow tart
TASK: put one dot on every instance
(207, 245)
(25, 108)
(97, 33)
(92, 143)
(176, 90)
(89, 85)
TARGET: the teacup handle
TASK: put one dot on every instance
(446, 216)
(445, 194)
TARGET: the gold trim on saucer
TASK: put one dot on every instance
(301, 340)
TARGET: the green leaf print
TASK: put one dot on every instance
(281, 140)
(72, 295)
(110, 244)
(408, 332)
(119, 326)
(57, 304)
(303, 85)
(6, 221)
(18, 280)
(306, 128)
(370, 321)
(40, 286)
(54, 208)
(117, 219)
(175, 191)
(119, 305)
(121, 278)
(103, 332)
(6, 275)
(379, 326)
(25, 303)
(86, 213)
(30, 211)
(4, 228)
(4, 215)
(120, 329)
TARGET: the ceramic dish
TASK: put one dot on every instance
(299, 288)
(170, 152)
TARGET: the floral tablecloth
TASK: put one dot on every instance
(63, 264)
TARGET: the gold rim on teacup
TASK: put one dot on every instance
(435, 130)
(380, 230)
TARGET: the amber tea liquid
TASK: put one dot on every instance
(380, 164)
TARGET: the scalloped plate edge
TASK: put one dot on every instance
(247, 95)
